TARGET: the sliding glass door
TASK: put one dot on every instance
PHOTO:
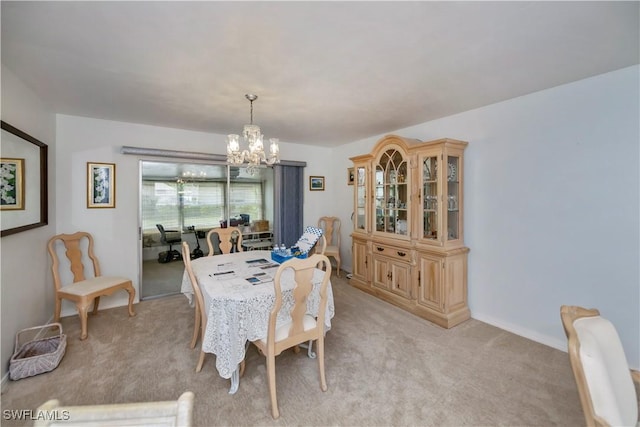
(187, 199)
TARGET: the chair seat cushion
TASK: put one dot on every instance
(331, 249)
(606, 371)
(95, 284)
(282, 332)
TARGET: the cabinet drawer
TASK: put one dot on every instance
(392, 252)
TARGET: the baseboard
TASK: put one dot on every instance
(523, 332)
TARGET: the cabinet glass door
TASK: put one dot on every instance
(391, 193)
(430, 198)
(453, 198)
(361, 198)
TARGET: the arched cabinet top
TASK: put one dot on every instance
(389, 140)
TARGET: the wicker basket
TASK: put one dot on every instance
(37, 356)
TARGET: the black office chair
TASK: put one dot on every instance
(169, 237)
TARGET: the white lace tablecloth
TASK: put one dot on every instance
(238, 311)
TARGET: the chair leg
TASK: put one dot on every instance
(132, 296)
(338, 269)
(57, 309)
(271, 375)
(196, 327)
(83, 308)
(200, 361)
(323, 380)
(96, 302)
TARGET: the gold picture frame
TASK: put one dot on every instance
(12, 184)
(316, 183)
(101, 185)
(351, 178)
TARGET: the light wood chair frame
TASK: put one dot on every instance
(200, 321)
(168, 413)
(82, 300)
(329, 224)
(569, 314)
(226, 244)
(197, 314)
(270, 348)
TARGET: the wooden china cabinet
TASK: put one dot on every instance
(408, 241)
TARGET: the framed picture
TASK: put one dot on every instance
(23, 181)
(316, 183)
(101, 185)
(350, 176)
(11, 184)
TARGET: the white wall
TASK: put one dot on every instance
(551, 205)
(27, 287)
(83, 140)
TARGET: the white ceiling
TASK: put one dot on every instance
(326, 73)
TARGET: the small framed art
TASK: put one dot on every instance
(350, 176)
(316, 183)
(12, 184)
(101, 185)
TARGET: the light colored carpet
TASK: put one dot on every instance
(384, 367)
(161, 279)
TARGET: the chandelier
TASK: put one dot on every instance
(252, 136)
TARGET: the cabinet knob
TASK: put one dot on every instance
(379, 249)
(402, 253)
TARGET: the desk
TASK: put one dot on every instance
(238, 311)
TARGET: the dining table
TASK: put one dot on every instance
(239, 294)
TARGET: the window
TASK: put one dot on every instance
(160, 205)
(246, 198)
(202, 204)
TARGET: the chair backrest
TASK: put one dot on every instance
(73, 244)
(197, 292)
(600, 367)
(331, 227)
(169, 413)
(303, 271)
(224, 240)
(165, 238)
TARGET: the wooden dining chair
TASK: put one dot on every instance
(302, 327)
(166, 413)
(82, 290)
(330, 225)
(200, 322)
(197, 314)
(224, 240)
(604, 380)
